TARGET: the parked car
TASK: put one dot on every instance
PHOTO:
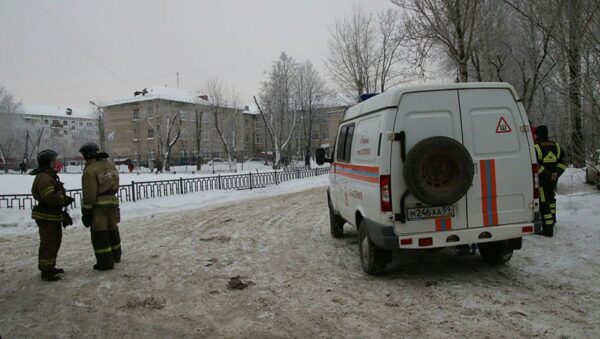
(592, 170)
(435, 166)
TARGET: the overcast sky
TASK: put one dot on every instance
(67, 52)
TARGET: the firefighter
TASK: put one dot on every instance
(48, 214)
(551, 166)
(100, 206)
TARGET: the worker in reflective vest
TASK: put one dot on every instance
(551, 164)
(100, 205)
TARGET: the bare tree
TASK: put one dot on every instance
(199, 115)
(9, 131)
(450, 25)
(167, 131)
(311, 93)
(226, 116)
(573, 30)
(364, 52)
(279, 107)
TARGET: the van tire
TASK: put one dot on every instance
(336, 223)
(496, 253)
(438, 171)
(372, 259)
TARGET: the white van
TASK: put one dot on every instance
(435, 166)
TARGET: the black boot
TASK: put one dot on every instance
(100, 267)
(50, 276)
(115, 244)
(59, 271)
(103, 251)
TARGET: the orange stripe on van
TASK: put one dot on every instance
(443, 224)
(358, 172)
(489, 196)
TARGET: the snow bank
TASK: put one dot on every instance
(15, 222)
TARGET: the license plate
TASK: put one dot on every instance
(421, 213)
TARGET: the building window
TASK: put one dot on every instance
(55, 123)
(206, 136)
(151, 155)
(46, 121)
(182, 115)
(81, 123)
(65, 122)
(136, 134)
(89, 124)
(150, 133)
(136, 114)
(73, 128)
(258, 139)
(65, 132)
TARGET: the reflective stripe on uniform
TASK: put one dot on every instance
(549, 222)
(107, 200)
(542, 196)
(561, 166)
(539, 151)
(44, 216)
(548, 216)
(103, 250)
(47, 191)
(557, 150)
(541, 169)
(116, 247)
(87, 206)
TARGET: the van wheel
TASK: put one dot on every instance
(438, 171)
(496, 253)
(336, 223)
(372, 259)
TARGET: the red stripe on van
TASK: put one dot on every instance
(489, 195)
(494, 195)
(484, 193)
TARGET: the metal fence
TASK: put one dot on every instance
(162, 188)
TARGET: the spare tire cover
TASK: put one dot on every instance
(438, 171)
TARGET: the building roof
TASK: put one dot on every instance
(391, 97)
(164, 93)
(57, 111)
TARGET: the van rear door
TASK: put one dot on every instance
(422, 115)
(502, 190)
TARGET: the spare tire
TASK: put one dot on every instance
(438, 171)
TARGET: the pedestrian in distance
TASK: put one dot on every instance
(100, 206)
(159, 166)
(130, 167)
(23, 167)
(48, 214)
(551, 165)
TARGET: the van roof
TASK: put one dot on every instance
(391, 97)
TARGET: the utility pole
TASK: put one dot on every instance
(100, 111)
(25, 155)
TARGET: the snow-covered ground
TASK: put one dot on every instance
(179, 258)
(15, 221)
(21, 183)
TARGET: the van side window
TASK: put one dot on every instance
(344, 143)
(340, 144)
(348, 146)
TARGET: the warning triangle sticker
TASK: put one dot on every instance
(550, 157)
(503, 126)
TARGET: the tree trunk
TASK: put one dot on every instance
(574, 61)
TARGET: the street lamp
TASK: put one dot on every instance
(100, 123)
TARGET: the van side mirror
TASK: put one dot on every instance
(320, 156)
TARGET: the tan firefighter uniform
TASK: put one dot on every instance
(100, 184)
(51, 196)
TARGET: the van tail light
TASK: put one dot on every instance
(385, 188)
(536, 181)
